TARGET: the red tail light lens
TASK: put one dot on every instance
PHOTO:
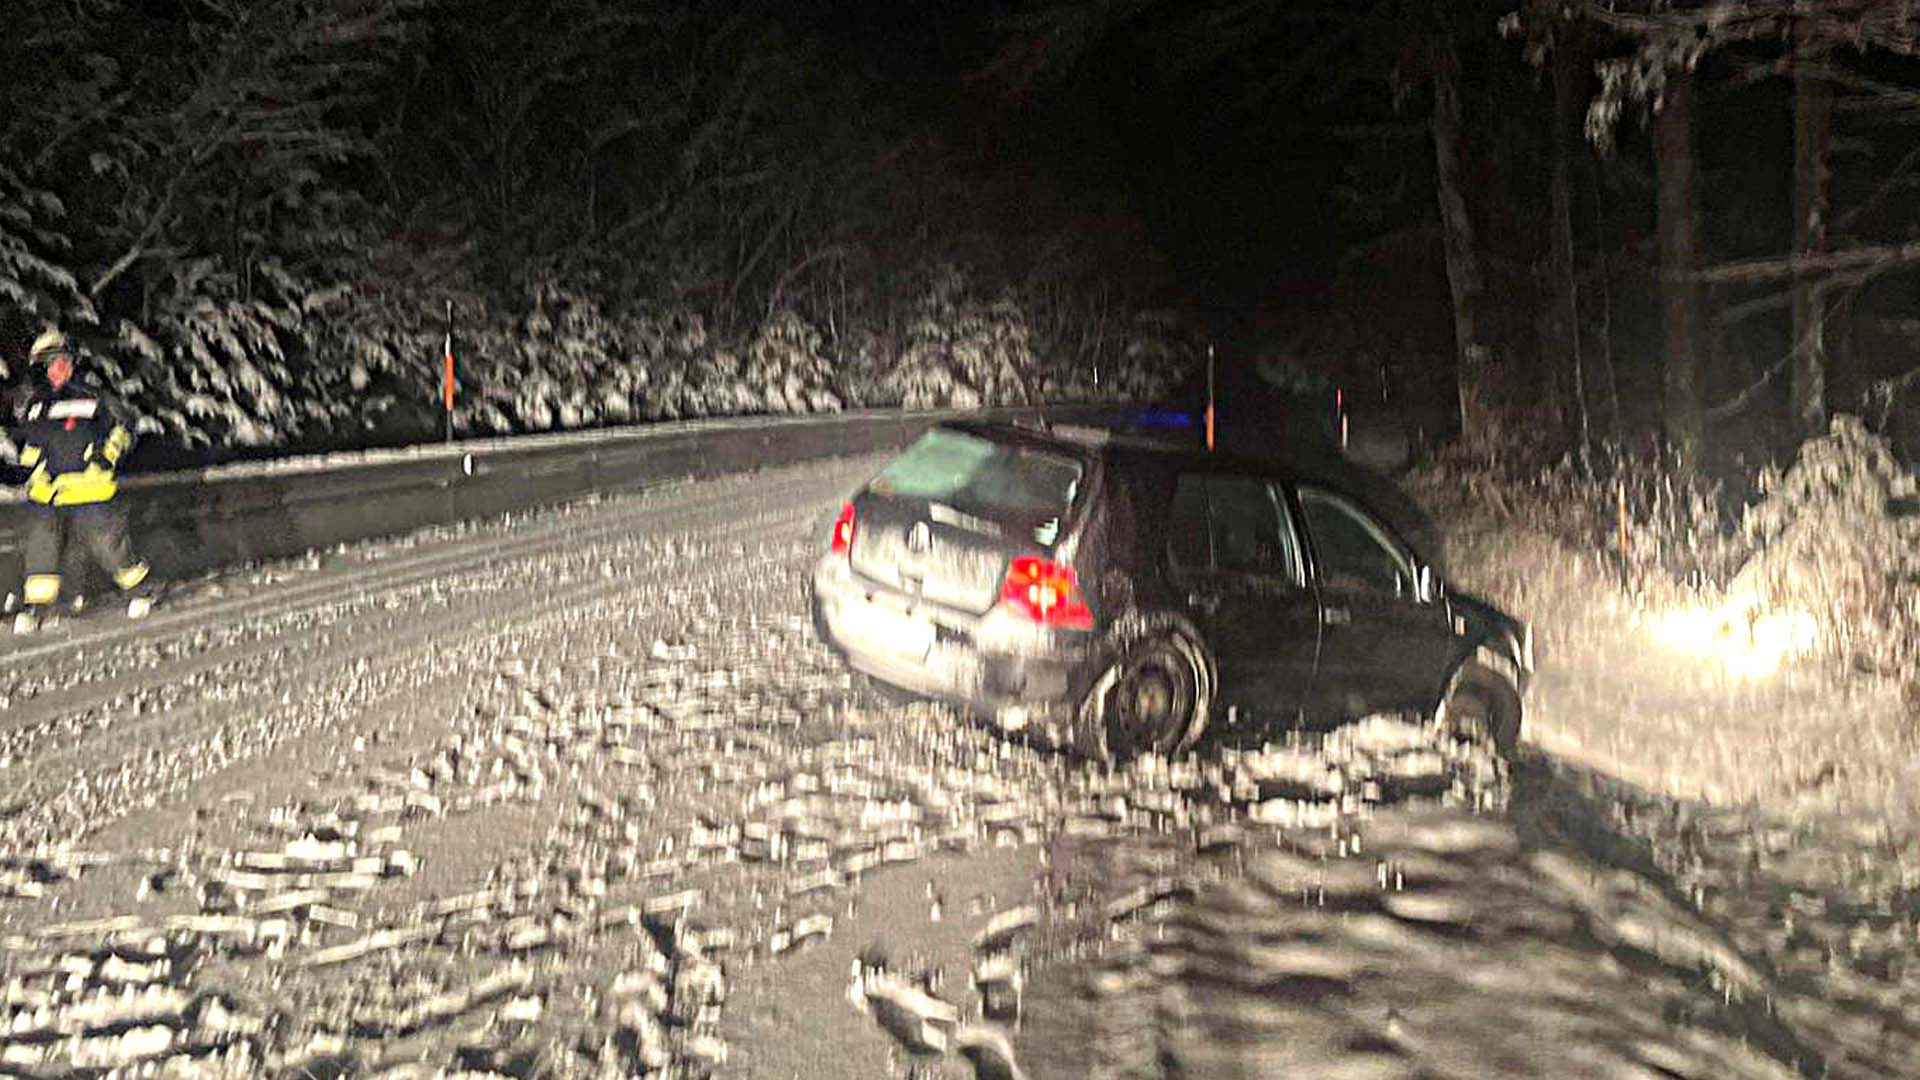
(842, 542)
(1045, 592)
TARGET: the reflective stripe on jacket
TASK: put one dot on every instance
(72, 439)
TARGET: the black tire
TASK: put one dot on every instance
(1479, 710)
(1154, 697)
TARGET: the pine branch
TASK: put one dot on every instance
(1886, 24)
(1871, 260)
(787, 276)
(155, 220)
(1745, 397)
(79, 123)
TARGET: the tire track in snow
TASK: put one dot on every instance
(68, 792)
(177, 643)
(83, 1029)
(198, 706)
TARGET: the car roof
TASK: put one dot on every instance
(1120, 447)
(1131, 451)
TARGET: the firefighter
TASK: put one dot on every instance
(73, 438)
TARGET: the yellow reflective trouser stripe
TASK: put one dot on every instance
(42, 588)
(131, 576)
(71, 489)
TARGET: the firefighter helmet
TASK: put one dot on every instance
(49, 344)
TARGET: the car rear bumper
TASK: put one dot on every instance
(1019, 676)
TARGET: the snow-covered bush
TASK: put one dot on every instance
(784, 363)
(381, 347)
(961, 351)
(1679, 525)
(1835, 535)
(224, 358)
(571, 361)
(863, 368)
(668, 343)
(1146, 360)
(720, 384)
(1159, 350)
(573, 365)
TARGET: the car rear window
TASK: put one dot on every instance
(984, 478)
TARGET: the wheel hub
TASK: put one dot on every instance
(1152, 702)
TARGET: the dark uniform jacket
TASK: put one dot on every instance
(73, 439)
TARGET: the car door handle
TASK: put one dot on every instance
(1336, 616)
(1207, 602)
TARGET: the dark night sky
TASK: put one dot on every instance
(1237, 196)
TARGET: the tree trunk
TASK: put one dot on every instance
(1812, 114)
(1680, 293)
(1463, 265)
(1568, 94)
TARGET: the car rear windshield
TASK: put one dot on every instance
(983, 478)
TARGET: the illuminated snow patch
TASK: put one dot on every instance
(1749, 644)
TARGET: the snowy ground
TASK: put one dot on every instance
(577, 793)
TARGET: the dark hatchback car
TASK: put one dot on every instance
(1128, 597)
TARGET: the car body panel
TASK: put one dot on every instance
(1385, 647)
(1258, 612)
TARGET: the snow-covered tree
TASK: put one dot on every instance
(33, 247)
(203, 158)
(784, 361)
(962, 351)
(261, 210)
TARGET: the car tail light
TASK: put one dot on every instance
(842, 542)
(1046, 592)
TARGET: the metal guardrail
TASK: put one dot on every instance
(189, 522)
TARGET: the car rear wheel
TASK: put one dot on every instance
(1481, 711)
(1153, 698)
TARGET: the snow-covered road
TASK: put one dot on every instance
(577, 793)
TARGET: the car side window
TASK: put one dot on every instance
(1187, 544)
(1251, 529)
(1354, 549)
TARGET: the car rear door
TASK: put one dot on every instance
(1235, 555)
(1384, 646)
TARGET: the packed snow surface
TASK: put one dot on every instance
(578, 793)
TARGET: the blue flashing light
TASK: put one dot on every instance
(1163, 418)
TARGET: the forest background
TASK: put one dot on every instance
(254, 215)
(1681, 227)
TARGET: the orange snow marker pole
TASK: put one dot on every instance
(1209, 399)
(447, 383)
(1626, 535)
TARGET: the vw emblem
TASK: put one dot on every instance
(920, 538)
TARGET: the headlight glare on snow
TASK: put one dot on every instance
(1749, 643)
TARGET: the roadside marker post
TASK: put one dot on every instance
(447, 383)
(1209, 399)
(1626, 532)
